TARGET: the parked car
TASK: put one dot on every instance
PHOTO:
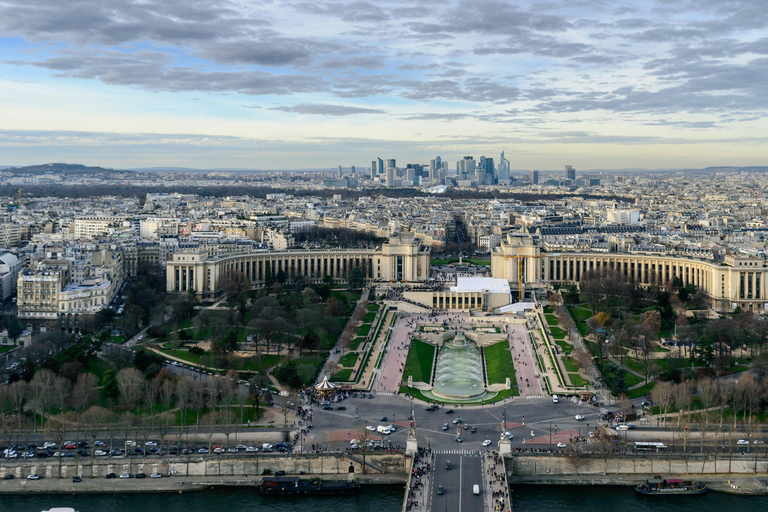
(140, 475)
(279, 473)
(125, 475)
(155, 475)
(110, 476)
(33, 477)
(561, 445)
(8, 477)
(742, 441)
(77, 479)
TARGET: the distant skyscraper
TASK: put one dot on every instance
(570, 172)
(391, 176)
(486, 165)
(533, 177)
(435, 165)
(390, 163)
(377, 168)
(503, 169)
(352, 170)
(341, 173)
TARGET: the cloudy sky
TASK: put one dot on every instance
(306, 84)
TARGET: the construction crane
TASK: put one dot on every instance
(520, 259)
(18, 205)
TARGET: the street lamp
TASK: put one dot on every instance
(355, 412)
(550, 434)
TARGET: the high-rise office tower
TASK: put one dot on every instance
(486, 164)
(391, 176)
(570, 172)
(377, 168)
(434, 168)
(352, 170)
(503, 169)
(341, 173)
(390, 163)
(533, 177)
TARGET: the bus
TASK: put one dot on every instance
(643, 446)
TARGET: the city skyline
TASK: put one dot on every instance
(599, 85)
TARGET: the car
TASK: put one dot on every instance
(555, 400)
(100, 453)
(77, 479)
(448, 465)
(251, 449)
(440, 490)
(362, 395)
(370, 396)
(473, 430)
(621, 428)
(140, 475)
(445, 426)
(125, 475)
(431, 408)
(487, 442)
(110, 476)
(33, 477)
(508, 435)
(354, 395)
(449, 411)
(150, 443)
(241, 447)
(202, 450)
(8, 477)
(579, 417)
(742, 441)
(155, 475)
(117, 453)
(631, 426)
(341, 408)
(70, 446)
(457, 421)
(561, 445)
(459, 439)
(279, 473)
(384, 418)
(231, 449)
(757, 441)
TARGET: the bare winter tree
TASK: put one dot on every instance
(129, 385)
(42, 391)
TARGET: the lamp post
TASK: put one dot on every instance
(355, 412)
(550, 434)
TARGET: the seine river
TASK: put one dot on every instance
(539, 498)
(370, 499)
(532, 498)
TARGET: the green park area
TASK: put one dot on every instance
(418, 363)
(498, 363)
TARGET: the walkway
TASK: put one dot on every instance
(390, 374)
(528, 381)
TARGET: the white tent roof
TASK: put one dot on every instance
(481, 284)
(325, 385)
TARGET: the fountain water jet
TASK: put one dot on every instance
(459, 370)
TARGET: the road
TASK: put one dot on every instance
(457, 482)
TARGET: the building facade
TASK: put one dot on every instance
(403, 258)
(737, 281)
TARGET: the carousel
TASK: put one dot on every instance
(325, 389)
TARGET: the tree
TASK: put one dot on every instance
(355, 278)
(614, 378)
(233, 282)
(268, 279)
(652, 321)
(129, 385)
(109, 387)
(663, 394)
(14, 328)
(42, 391)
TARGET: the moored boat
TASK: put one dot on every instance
(670, 486)
(293, 485)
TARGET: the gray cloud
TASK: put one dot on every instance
(433, 116)
(322, 109)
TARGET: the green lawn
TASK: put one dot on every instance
(571, 365)
(355, 343)
(373, 307)
(577, 380)
(567, 347)
(580, 314)
(548, 310)
(349, 360)
(443, 261)
(342, 376)
(660, 349)
(641, 391)
(551, 319)
(364, 330)
(498, 363)
(6, 348)
(418, 364)
(307, 368)
(583, 328)
(557, 332)
(368, 318)
(184, 355)
(474, 261)
(632, 380)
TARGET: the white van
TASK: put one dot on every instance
(475, 489)
(381, 429)
(555, 400)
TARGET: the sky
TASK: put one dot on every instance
(596, 84)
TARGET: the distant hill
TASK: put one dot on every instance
(60, 168)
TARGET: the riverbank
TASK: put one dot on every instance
(174, 484)
(730, 484)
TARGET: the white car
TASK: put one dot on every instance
(622, 427)
(487, 442)
(508, 435)
(150, 443)
(100, 453)
(125, 475)
(155, 475)
(742, 441)
(561, 445)
(371, 428)
(579, 417)
(757, 441)
(251, 449)
(555, 400)
(33, 477)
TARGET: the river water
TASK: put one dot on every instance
(540, 498)
(530, 498)
(379, 498)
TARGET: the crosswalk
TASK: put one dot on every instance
(528, 397)
(457, 452)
